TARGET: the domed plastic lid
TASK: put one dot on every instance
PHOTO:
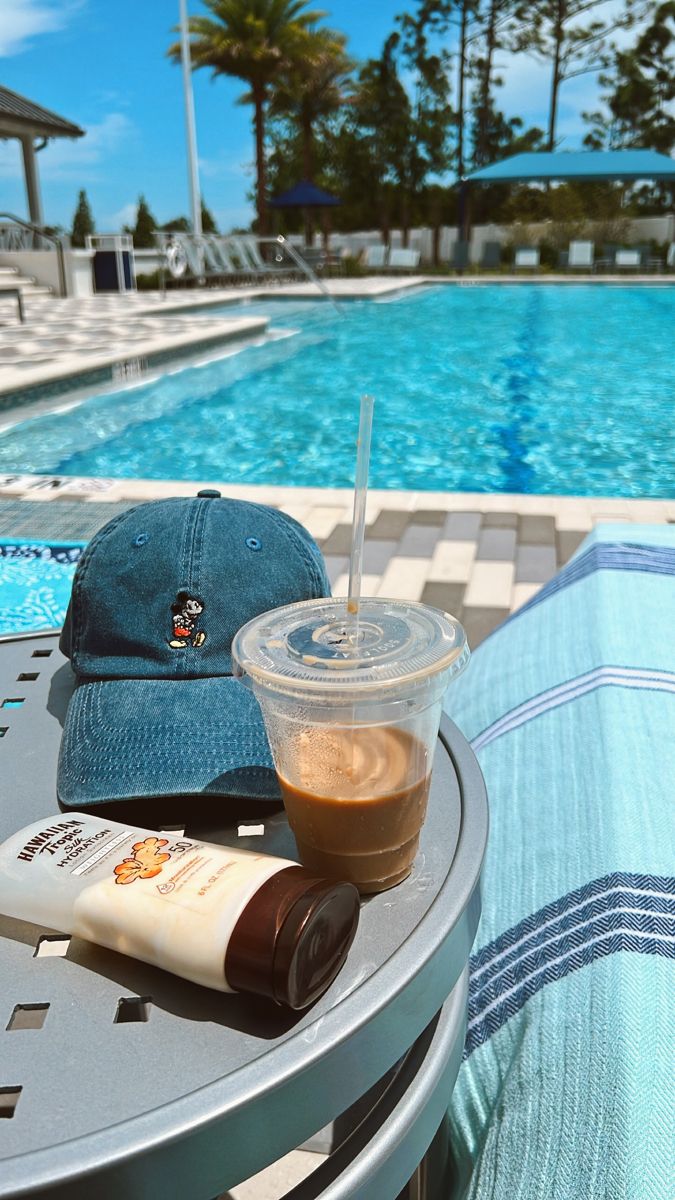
(317, 645)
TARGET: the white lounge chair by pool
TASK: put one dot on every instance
(251, 260)
(222, 254)
(580, 255)
(526, 258)
(627, 259)
(403, 260)
(376, 256)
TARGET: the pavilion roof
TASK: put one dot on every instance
(576, 165)
(18, 116)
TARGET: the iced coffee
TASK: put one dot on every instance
(358, 803)
(352, 708)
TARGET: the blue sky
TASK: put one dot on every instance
(103, 65)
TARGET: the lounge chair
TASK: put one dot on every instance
(459, 255)
(250, 258)
(628, 259)
(670, 257)
(606, 260)
(376, 257)
(215, 265)
(526, 258)
(223, 259)
(567, 1077)
(403, 260)
(580, 256)
(491, 256)
(314, 256)
(197, 257)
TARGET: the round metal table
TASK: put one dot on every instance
(116, 1076)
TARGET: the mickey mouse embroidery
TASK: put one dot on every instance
(186, 611)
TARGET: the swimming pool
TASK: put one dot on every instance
(526, 388)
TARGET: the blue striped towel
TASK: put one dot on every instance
(567, 1090)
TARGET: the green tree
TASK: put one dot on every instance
(639, 91)
(208, 220)
(426, 61)
(145, 226)
(404, 126)
(251, 40)
(310, 91)
(382, 124)
(182, 225)
(492, 135)
(83, 221)
(573, 37)
(176, 225)
(313, 88)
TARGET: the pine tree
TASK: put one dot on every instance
(145, 226)
(640, 90)
(208, 222)
(83, 221)
(572, 37)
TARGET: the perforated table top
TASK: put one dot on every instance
(115, 1074)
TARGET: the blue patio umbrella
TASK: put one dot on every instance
(306, 195)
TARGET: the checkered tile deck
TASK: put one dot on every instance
(477, 562)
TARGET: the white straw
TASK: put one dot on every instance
(360, 493)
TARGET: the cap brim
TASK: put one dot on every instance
(126, 739)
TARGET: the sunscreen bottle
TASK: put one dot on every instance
(226, 918)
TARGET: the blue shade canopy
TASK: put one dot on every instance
(578, 164)
(304, 195)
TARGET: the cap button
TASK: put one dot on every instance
(209, 494)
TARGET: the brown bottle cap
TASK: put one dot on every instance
(292, 938)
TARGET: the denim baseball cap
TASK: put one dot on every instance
(157, 597)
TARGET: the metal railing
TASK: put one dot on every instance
(48, 237)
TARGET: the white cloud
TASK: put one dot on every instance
(73, 159)
(21, 20)
(526, 94)
(527, 85)
(126, 215)
(235, 217)
(62, 158)
(228, 167)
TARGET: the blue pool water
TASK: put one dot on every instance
(35, 583)
(505, 388)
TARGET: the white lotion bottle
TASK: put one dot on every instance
(228, 919)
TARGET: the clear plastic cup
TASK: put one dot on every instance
(352, 706)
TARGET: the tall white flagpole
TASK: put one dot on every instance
(191, 136)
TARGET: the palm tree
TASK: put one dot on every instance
(252, 40)
(313, 87)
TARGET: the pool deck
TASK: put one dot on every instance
(114, 337)
(480, 556)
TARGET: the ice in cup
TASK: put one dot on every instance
(352, 706)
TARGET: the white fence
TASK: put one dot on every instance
(642, 229)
